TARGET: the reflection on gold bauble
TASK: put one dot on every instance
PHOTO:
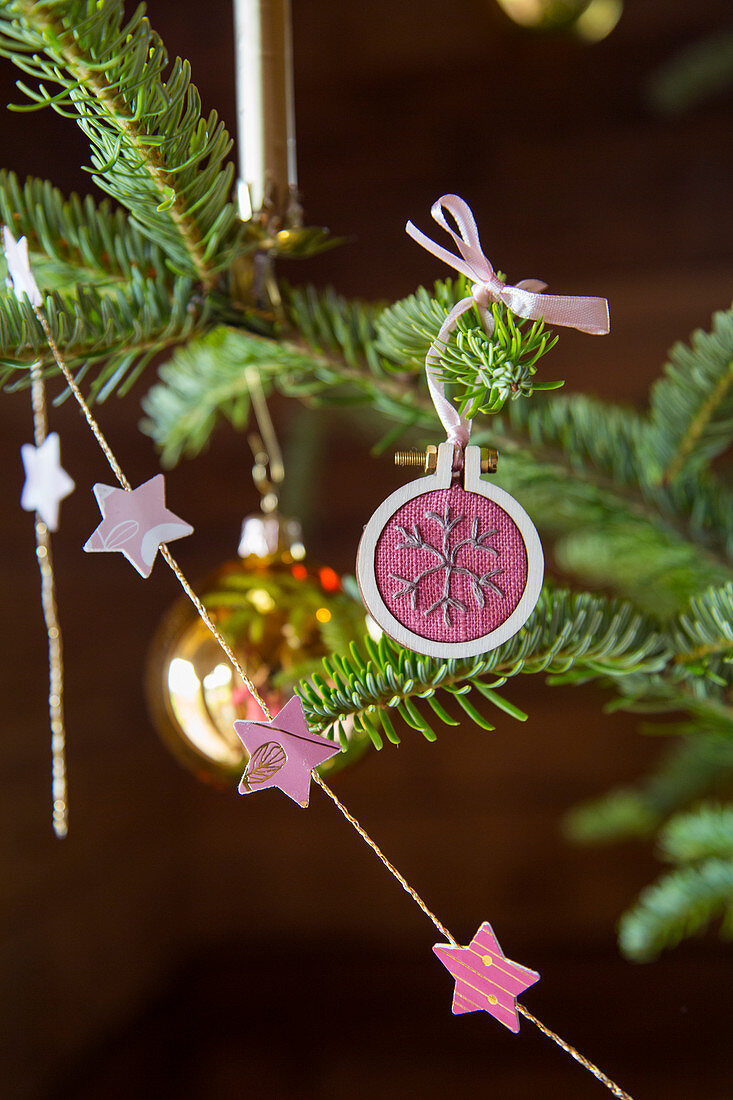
(281, 614)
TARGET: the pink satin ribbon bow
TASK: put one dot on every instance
(526, 299)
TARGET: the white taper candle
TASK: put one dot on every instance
(265, 109)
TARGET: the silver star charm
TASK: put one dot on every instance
(46, 482)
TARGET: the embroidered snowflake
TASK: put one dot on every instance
(446, 556)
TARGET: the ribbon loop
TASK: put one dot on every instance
(527, 299)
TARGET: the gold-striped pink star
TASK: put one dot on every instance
(486, 981)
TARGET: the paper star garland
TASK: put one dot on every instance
(136, 522)
(46, 482)
(19, 268)
(485, 979)
(283, 753)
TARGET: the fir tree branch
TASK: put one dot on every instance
(404, 331)
(151, 149)
(701, 421)
(482, 372)
(607, 639)
(695, 764)
(114, 333)
(657, 545)
(591, 442)
(678, 905)
(705, 629)
(691, 406)
(208, 380)
(327, 322)
(74, 240)
(697, 72)
(706, 833)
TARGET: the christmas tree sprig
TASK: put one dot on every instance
(696, 763)
(602, 638)
(482, 372)
(152, 149)
(113, 334)
(573, 637)
(115, 302)
(76, 240)
(691, 406)
(208, 380)
(700, 889)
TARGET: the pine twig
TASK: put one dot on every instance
(150, 148)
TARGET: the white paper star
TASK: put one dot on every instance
(46, 482)
(19, 268)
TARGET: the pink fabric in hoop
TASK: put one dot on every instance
(526, 299)
(451, 565)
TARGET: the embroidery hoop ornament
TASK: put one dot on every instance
(443, 478)
(518, 556)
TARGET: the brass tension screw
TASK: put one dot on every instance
(428, 459)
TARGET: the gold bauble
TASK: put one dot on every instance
(281, 614)
(591, 20)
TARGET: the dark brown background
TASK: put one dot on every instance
(184, 942)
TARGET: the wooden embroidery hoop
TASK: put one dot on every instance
(473, 483)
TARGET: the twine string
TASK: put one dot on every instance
(597, 1073)
(71, 382)
(580, 1058)
(208, 621)
(380, 855)
(59, 792)
(584, 1062)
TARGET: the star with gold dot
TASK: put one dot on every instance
(485, 979)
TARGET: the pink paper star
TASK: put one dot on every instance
(485, 979)
(136, 522)
(283, 753)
